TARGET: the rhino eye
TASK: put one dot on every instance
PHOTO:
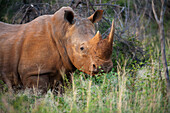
(81, 48)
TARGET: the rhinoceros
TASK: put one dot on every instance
(35, 53)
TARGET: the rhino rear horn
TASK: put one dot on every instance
(69, 16)
(111, 34)
(96, 38)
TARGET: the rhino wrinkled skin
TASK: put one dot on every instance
(34, 54)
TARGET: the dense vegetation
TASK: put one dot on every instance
(136, 82)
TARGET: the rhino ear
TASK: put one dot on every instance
(96, 16)
(69, 16)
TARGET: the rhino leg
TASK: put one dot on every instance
(7, 81)
(59, 82)
(40, 82)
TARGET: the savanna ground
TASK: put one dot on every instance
(136, 83)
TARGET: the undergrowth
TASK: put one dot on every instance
(112, 92)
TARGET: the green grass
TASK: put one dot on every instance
(109, 93)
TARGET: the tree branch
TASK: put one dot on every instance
(154, 12)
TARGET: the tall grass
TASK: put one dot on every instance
(108, 93)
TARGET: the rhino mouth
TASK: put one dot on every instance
(100, 70)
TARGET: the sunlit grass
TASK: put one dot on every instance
(109, 93)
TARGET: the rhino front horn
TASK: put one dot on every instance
(111, 34)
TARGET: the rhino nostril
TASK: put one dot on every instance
(94, 66)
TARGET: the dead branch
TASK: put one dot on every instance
(162, 39)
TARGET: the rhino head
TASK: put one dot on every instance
(86, 49)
